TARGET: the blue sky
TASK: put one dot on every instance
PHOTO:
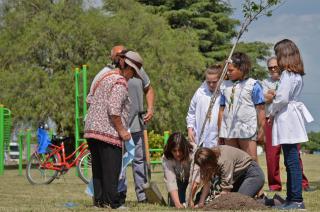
(298, 21)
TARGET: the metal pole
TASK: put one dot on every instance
(165, 137)
(76, 75)
(84, 89)
(1, 140)
(20, 152)
(28, 144)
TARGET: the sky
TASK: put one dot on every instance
(298, 21)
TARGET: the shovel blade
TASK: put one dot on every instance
(153, 194)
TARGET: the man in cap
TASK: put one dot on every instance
(138, 87)
(106, 128)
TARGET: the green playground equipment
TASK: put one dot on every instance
(80, 76)
(165, 139)
(24, 138)
(80, 102)
(5, 134)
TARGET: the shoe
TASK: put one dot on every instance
(122, 207)
(291, 206)
(265, 201)
(309, 189)
(278, 200)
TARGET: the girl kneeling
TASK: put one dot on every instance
(236, 169)
(176, 162)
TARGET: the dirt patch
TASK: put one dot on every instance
(234, 201)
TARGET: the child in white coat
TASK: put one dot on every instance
(288, 115)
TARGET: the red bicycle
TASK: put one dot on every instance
(44, 168)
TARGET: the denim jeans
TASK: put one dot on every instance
(294, 173)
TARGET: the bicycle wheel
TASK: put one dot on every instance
(84, 168)
(36, 173)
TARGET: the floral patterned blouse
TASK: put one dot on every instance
(110, 97)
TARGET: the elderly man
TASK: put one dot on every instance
(106, 127)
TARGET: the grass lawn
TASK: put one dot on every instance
(16, 194)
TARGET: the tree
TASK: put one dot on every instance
(41, 42)
(211, 21)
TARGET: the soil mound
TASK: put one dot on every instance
(234, 201)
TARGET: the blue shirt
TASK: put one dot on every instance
(257, 95)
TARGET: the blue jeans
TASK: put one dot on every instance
(294, 173)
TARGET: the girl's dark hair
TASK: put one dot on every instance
(177, 140)
(288, 57)
(207, 160)
(241, 61)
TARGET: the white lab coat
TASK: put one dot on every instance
(197, 113)
(289, 114)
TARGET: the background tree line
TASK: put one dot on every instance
(41, 41)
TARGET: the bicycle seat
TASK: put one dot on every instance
(59, 138)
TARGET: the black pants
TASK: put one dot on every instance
(106, 167)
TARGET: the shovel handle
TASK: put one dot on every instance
(146, 146)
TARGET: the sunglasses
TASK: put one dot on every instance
(273, 68)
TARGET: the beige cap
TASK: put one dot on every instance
(134, 60)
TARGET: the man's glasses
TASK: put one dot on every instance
(273, 68)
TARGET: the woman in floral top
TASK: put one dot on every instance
(106, 128)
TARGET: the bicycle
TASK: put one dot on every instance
(44, 168)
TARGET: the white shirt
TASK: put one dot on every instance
(289, 114)
(268, 84)
(197, 113)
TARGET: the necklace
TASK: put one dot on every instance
(233, 90)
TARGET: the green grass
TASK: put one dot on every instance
(16, 194)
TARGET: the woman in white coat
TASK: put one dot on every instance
(289, 114)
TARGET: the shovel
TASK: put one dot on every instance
(151, 190)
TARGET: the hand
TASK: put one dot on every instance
(260, 137)
(148, 116)
(223, 192)
(180, 206)
(221, 141)
(191, 135)
(125, 135)
(272, 92)
(200, 205)
(270, 120)
(191, 204)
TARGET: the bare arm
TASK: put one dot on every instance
(124, 134)
(261, 122)
(204, 194)
(149, 92)
(175, 198)
(221, 142)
